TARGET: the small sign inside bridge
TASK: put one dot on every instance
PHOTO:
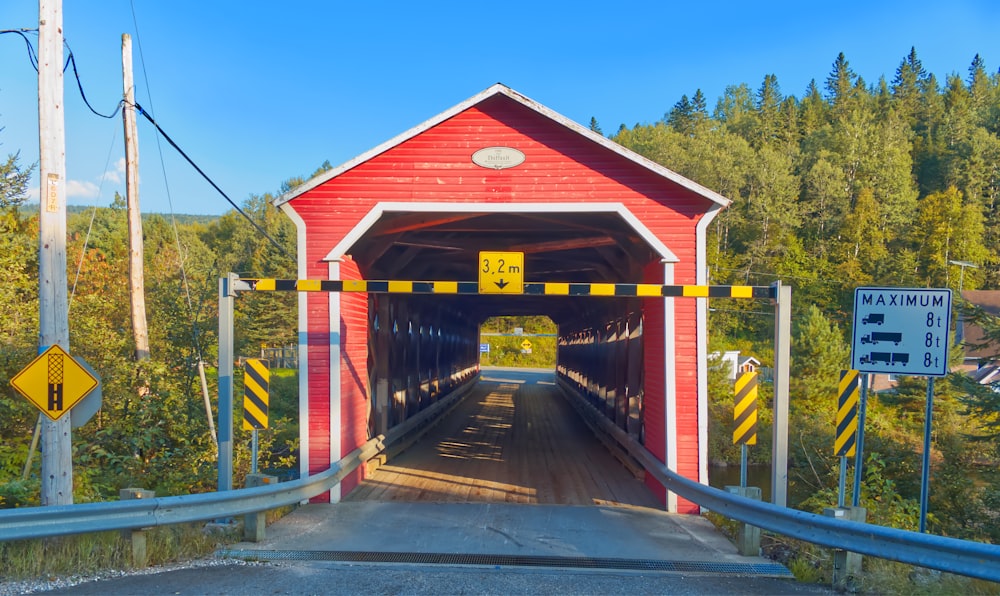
(501, 272)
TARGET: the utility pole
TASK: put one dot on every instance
(135, 268)
(53, 309)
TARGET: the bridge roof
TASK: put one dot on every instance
(497, 90)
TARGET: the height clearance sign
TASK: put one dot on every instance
(901, 331)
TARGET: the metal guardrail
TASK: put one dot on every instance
(973, 559)
(62, 520)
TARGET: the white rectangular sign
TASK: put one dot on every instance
(902, 331)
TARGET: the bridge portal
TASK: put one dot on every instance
(501, 172)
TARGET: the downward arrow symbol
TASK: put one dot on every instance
(502, 284)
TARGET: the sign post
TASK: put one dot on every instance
(847, 426)
(745, 418)
(902, 331)
(256, 400)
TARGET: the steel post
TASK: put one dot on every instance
(859, 452)
(782, 356)
(925, 471)
(226, 305)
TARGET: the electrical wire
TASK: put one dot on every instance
(72, 60)
(146, 115)
(32, 55)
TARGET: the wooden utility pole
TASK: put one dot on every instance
(135, 268)
(53, 308)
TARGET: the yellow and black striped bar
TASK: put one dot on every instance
(530, 288)
(745, 410)
(256, 394)
(847, 413)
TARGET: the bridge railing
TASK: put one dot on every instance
(967, 558)
(62, 520)
(963, 557)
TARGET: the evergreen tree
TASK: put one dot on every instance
(13, 181)
(812, 110)
(907, 87)
(768, 106)
(841, 88)
(821, 353)
(681, 117)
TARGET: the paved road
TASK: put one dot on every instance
(541, 549)
(340, 578)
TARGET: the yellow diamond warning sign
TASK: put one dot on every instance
(54, 382)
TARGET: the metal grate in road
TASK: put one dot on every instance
(709, 567)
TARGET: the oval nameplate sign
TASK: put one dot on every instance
(498, 158)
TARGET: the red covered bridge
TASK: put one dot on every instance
(581, 208)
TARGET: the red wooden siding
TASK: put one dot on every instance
(354, 390)
(561, 166)
(318, 346)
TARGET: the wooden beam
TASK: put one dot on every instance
(569, 244)
(420, 221)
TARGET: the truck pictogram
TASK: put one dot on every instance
(873, 318)
(891, 358)
(878, 336)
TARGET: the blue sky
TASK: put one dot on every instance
(257, 93)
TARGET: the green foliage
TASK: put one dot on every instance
(820, 354)
(14, 180)
(506, 350)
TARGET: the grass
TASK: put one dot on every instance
(85, 554)
(812, 564)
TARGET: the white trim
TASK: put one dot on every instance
(303, 318)
(499, 89)
(670, 383)
(701, 314)
(336, 355)
(381, 208)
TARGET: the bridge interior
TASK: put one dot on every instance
(513, 439)
(423, 346)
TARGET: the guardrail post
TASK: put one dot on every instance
(137, 537)
(254, 524)
(747, 536)
(846, 565)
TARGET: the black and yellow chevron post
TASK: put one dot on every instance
(745, 410)
(847, 414)
(256, 381)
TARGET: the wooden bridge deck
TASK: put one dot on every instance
(514, 439)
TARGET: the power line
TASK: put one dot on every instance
(32, 55)
(71, 60)
(79, 84)
(210, 181)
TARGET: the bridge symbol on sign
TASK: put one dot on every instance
(54, 381)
